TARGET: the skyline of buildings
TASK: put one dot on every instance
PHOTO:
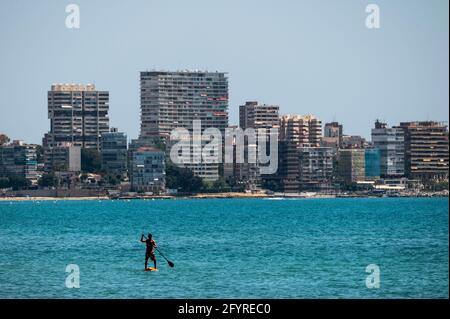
(314, 83)
(310, 156)
(91, 87)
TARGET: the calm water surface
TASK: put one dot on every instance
(230, 248)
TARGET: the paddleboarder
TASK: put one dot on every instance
(150, 249)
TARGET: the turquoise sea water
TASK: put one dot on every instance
(226, 248)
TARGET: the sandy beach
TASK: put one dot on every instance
(226, 195)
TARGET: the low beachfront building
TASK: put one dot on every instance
(64, 157)
(114, 152)
(148, 170)
(351, 165)
(18, 159)
(316, 167)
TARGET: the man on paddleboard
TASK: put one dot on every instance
(150, 249)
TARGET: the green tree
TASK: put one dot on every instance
(182, 179)
(4, 139)
(90, 160)
(18, 182)
(220, 185)
(48, 180)
(272, 185)
(349, 187)
(435, 185)
(160, 144)
(4, 183)
(112, 179)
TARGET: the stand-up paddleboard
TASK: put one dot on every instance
(151, 269)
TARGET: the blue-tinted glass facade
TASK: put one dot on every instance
(372, 162)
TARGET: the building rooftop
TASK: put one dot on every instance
(298, 117)
(72, 87)
(187, 71)
(422, 123)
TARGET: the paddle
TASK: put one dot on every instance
(171, 264)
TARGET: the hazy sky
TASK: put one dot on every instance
(309, 57)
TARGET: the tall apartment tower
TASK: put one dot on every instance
(262, 118)
(78, 115)
(172, 100)
(254, 115)
(296, 132)
(426, 149)
(390, 142)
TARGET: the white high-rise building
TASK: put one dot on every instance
(391, 143)
(171, 100)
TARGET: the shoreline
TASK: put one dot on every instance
(224, 196)
(22, 199)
